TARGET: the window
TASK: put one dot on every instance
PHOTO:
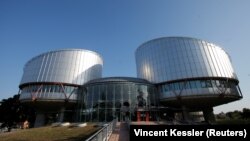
(203, 83)
(193, 84)
(208, 84)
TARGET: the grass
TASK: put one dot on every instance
(50, 134)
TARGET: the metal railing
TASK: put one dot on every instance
(104, 133)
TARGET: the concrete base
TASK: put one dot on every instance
(61, 115)
(185, 114)
(40, 120)
(196, 116)
(42, 117)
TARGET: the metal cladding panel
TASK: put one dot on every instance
(173, 58)
(73, 66)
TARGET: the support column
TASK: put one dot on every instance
(138, 116)
(61, 115)
(40, 119)
(209, 115)
(185, 114)
(147, 115)
(171, 115)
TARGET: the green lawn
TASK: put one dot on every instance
(50, 134)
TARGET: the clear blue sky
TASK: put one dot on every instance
(115, 28)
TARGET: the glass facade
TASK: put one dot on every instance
(56, 75)
(117, 97)
(50, 92)
(198, 87)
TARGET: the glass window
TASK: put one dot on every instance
(125, 92)
(53, 88)
(193, 84)
(141, 96)
(161, 88)
(217, 83)
(208, 83)
(118, 96)
(95, 93)
(171, 87)
(198, 84)
(110, 95)
(45, 88)
(230, 84)
(66, 89)
(57, 88)
(102, 93)
(89, 96)
(203, 83)
(176, 86)
(24, 90)
(167, 88)
(182, 85)
(50, 88)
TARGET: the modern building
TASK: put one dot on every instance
(189, 73)
(117, 97)
(51, 80)
(178, 78)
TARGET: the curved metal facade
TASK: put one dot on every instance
(56, 75)
(184, 67)
(72, 66)
(174, 58)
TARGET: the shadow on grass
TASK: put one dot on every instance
(81, 137)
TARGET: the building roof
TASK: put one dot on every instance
(118, 79)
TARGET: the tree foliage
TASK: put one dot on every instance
(244, 114)
(13, 112)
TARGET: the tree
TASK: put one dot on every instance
(246, 113)
(234, 115)
(13, 112)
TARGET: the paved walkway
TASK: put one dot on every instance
(121, 132)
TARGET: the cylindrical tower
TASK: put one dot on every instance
(188, 71)
(51, 80)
